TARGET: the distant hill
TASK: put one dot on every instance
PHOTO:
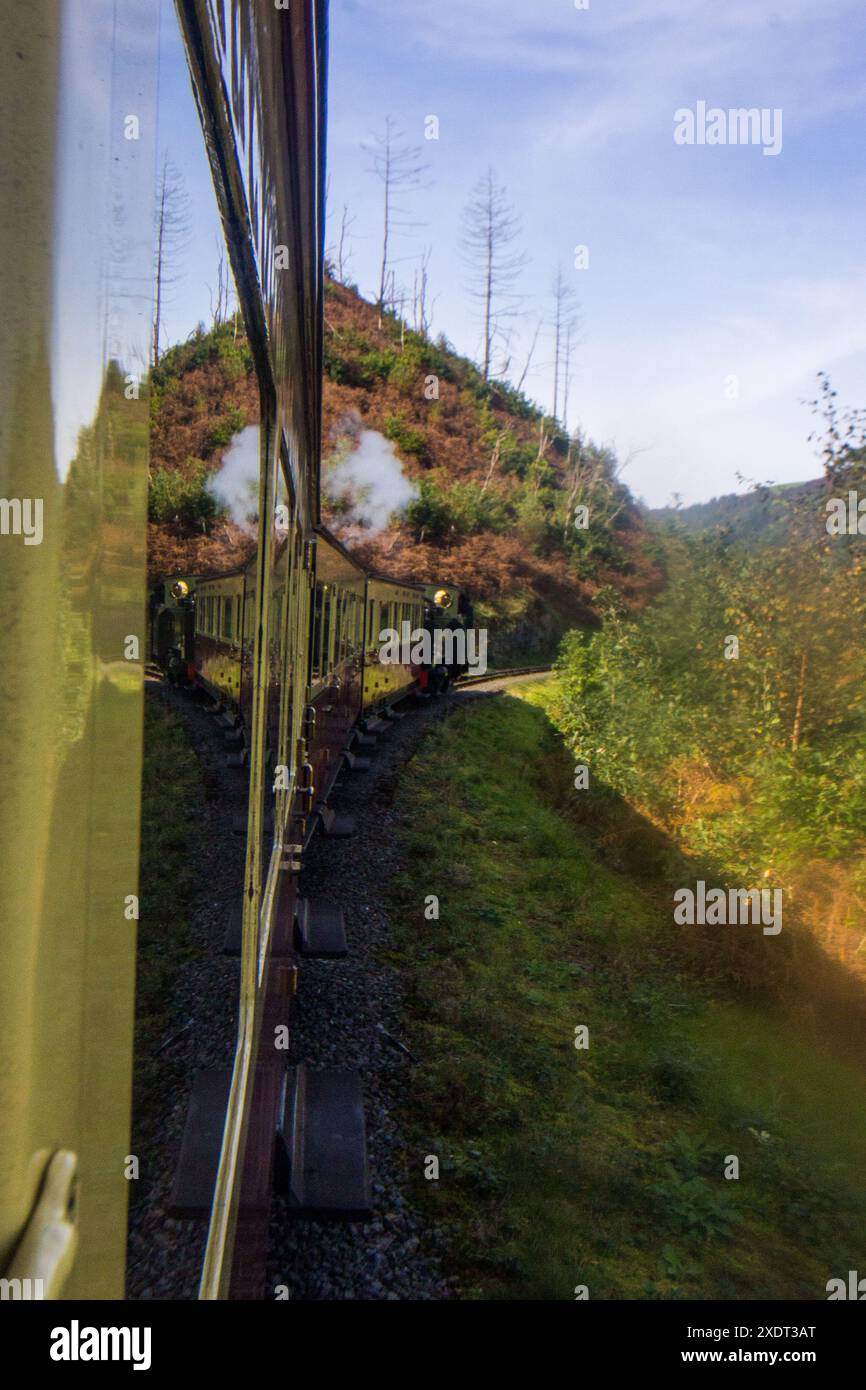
(755, 515)
(487, 483)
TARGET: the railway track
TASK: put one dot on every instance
(503, 675)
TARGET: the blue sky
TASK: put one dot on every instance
(706, 262)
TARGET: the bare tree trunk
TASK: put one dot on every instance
(488, 300)
(397, 166)
(494, 459)
(385, 236)
(157, 310)
(566, 376)
(490, 229)
(563, 297)
(172, 229)
(530, 356)
(342, 258)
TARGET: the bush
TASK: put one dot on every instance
(460, 510)
(175, 497)
(429, 515)
(225, 430)
(409, 438)
(406, 373)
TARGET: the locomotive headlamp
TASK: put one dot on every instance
(179, 589)
(442, 598)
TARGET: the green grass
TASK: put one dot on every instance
(171, 843)
(603, 1166)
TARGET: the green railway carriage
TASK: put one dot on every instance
(220, 610)
(390, 605)
(290, 642)
(336, 659)
(78, 99)
(76, 263)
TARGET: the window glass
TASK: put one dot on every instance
(317, 632)
(327, 601)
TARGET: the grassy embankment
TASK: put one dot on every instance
(605, 1166)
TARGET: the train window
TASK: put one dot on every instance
(325, 663)
(338, 626)
(344, 626)
(228, 606)
(317, 633)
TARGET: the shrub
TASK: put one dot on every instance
(225, 430)
(176, 497)
(409, 438)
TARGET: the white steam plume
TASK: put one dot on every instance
(368, 484)
(236, 485)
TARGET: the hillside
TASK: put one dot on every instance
(757, 515)
(489, 484)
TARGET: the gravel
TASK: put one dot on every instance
(347, 1014)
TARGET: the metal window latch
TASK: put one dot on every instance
(46, 1251)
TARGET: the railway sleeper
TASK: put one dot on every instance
(374, 725)
(320, 930)
(320, 1156)
(335, 826)
(321, 1159)
(355, 763)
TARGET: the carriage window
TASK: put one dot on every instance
(325, 662)
(338, 626)
(317, 632)
(227, 618)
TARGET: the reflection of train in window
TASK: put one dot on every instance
(289, 642)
